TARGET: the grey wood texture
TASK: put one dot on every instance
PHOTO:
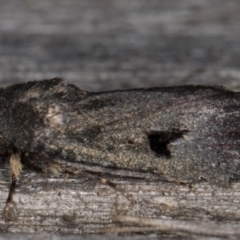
(117, 44)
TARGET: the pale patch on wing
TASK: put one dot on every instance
(54, 116)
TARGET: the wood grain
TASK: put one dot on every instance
(82, 205)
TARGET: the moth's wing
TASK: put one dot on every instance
(183, 133)
(211, 148)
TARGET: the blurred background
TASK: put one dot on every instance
(119, 44)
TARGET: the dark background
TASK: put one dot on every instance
(113, 44)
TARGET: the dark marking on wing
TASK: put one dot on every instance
(159, 141)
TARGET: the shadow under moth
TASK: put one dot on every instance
(179, 134)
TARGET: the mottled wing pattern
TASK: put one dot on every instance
(184, 133)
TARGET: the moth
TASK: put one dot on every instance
(180, 134)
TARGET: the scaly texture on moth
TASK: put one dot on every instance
(181, 134)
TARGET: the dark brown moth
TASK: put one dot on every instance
(181, 134)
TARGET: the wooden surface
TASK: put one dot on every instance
(104, 45)
(83, 205)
